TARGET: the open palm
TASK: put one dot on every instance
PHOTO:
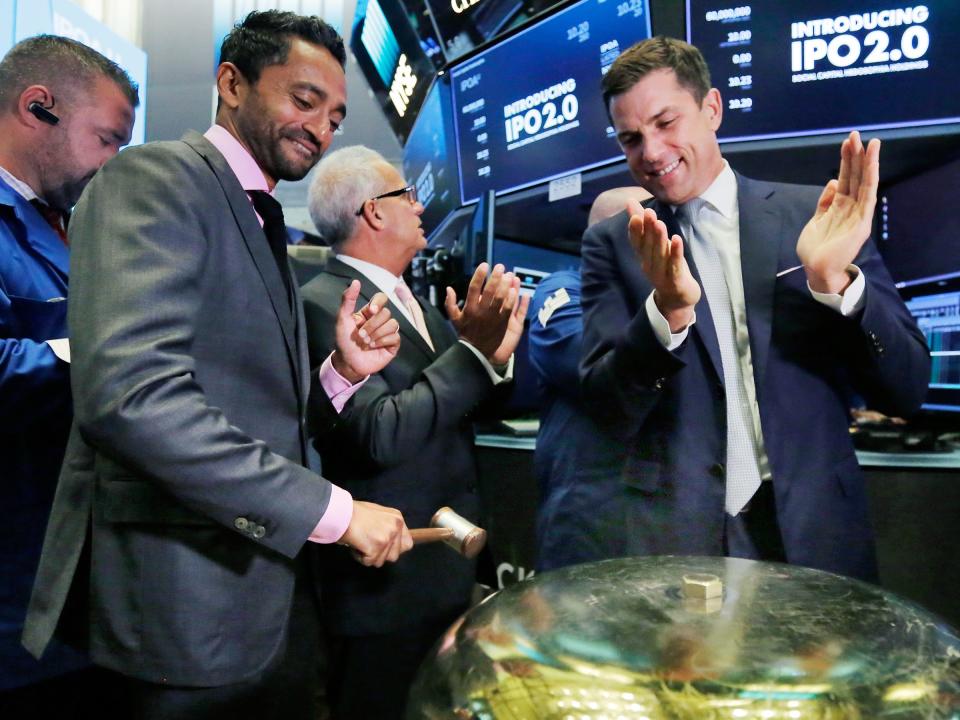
(841, 224)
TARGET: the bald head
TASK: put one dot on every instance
(610, 202)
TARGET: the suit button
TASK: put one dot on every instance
(259, 531)
(718, 470)
(658, 385)
(241, 524)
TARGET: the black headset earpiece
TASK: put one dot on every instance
(41, 113)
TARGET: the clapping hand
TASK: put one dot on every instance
(676, 292)
(841, 224)
(493, 313)
(368, 339)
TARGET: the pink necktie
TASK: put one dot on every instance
(413, 307)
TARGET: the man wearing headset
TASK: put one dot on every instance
(64, 111)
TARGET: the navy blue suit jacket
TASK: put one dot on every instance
(807, 360)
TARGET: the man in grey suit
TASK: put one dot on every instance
(411, 424)
(183, 503)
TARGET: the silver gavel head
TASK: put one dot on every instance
(466, 538)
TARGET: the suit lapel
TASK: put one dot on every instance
(760, 229)
(303, 352)
(410, 335)
(441, 331)
(253, 238)
(704, 328)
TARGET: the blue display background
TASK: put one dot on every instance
(428, 157)
(575, 43)
(782, 108)
(7, 15)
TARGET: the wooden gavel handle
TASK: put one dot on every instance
(426, 535)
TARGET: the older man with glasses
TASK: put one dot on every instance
(406, 435)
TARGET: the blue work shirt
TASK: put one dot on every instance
(35, 415)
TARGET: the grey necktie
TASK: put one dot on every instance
(743, 472)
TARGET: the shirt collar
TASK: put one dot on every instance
(722, 193)
(381, 277)
(18, 185)
(246, 169)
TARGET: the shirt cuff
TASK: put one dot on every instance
(336, 386)
(851, 301)
(336, 518)
(61, 348)
(661, 328)
(495, 377)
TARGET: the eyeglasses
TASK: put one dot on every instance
(409, 192)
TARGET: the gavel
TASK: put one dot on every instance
(454, 530)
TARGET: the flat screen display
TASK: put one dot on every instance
(531, 263)
(418, 14)
(789, 69)
(529, 109)
(392, 60)
(464, 24)
(919, 238)
(429, 159)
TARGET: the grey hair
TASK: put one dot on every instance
(342, 182)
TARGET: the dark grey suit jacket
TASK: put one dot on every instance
(404, 440)
(669, 407)
(183, 474)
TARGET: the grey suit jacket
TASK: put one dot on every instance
(184, 474)
(405, 440)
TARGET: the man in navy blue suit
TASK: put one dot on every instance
(726, 325)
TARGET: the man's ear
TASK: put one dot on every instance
(372, 215)
(232, 86)
(34, 94)
(713, 106)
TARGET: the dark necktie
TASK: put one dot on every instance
(274, 228)
(57, 219)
